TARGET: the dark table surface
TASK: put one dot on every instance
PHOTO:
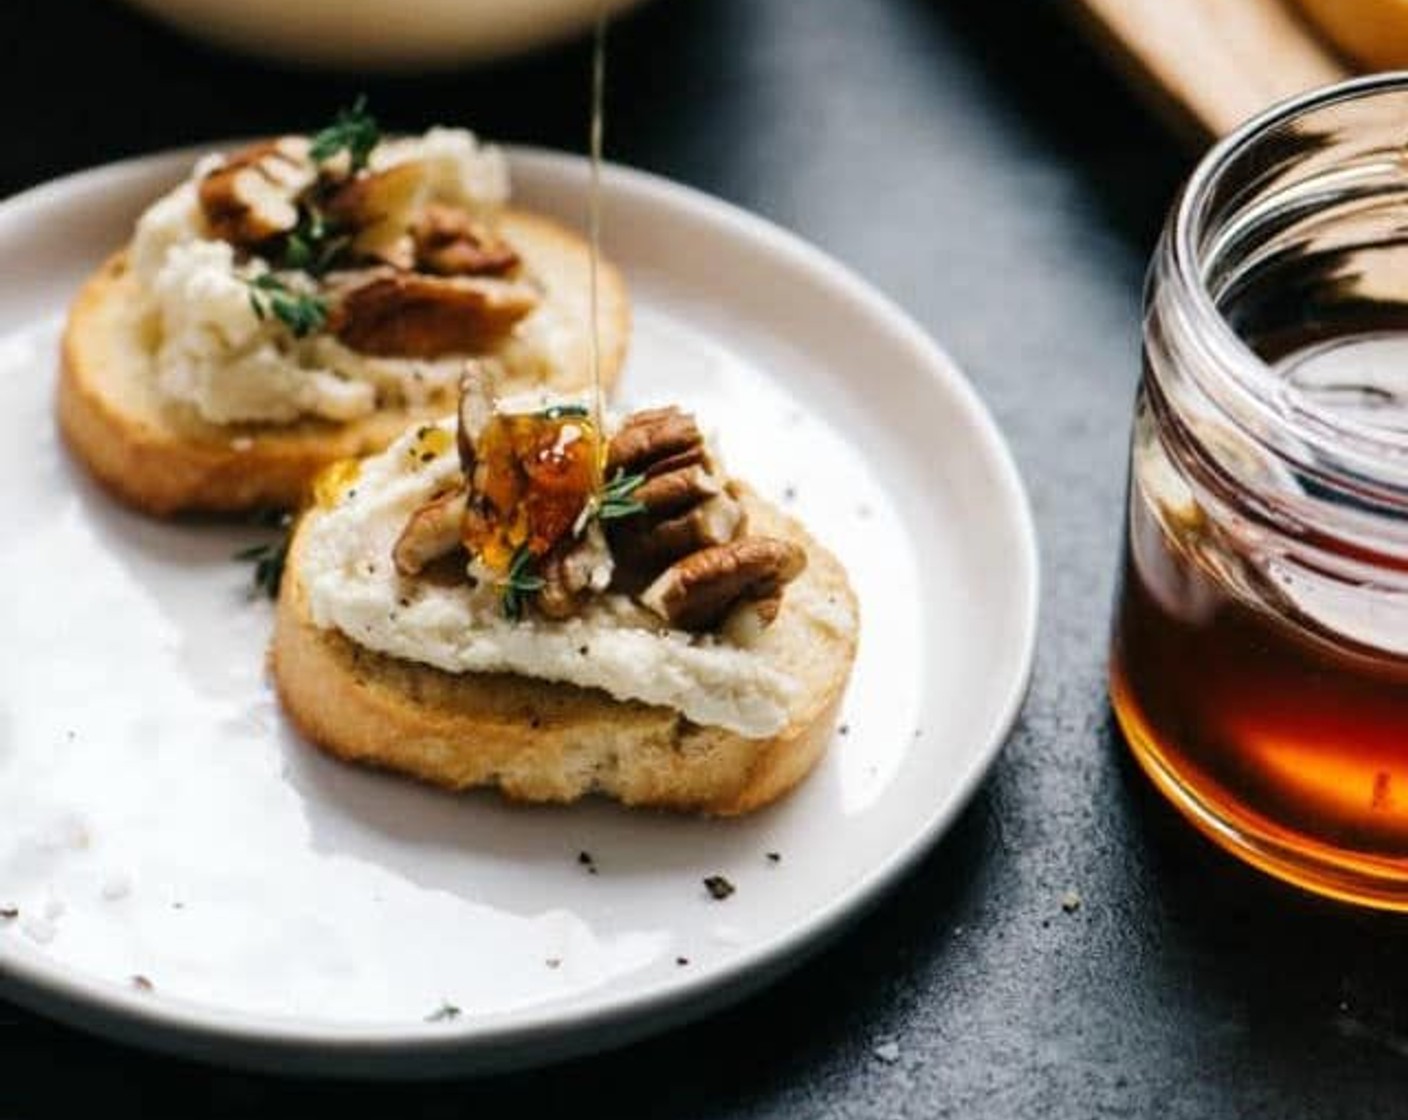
(982, 165)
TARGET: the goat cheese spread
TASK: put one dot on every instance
(216, 354)
(353, 586)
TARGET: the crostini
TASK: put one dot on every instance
(302, 300)
(518, 600)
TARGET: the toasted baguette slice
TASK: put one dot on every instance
(543, 741)
(163, 458)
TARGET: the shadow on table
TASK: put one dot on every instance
(1057, 88)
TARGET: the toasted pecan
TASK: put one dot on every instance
(407, 315)
(699, 592)
(254, 194)
(448, 242)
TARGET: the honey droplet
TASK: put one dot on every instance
(430, 443)
(534, 475)
(334, 480)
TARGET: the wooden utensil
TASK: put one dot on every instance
(1210, 64)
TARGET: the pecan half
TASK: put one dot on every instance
(644, 547)
(653, 436)
(375, 204)
(407, 315)
(674, 491)
(449, 243)
(432, 532)
(695, 456)
(253, 195)
(478, 391)
(687, 505)
(700, 591)
(571, 574)
(371, 196)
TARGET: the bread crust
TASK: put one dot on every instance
(163, 459)
(542, 741)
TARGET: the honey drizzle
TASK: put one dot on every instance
(597, 130)
(535, 483)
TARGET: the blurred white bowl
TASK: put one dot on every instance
(379, 34)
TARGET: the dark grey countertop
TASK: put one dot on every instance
(980, 164)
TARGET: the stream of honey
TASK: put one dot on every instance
(540, 469)
(595, 139)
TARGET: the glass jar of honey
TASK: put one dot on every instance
(1259, 667)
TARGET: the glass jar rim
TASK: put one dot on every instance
(1361, 460)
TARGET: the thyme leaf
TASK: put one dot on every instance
(354, 131)
(521, 582)
(268, 559)
(301, 312)
(616, 498)
(315, 243)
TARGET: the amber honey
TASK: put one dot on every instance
(1286, 743)
(1259, 667)
(536, 472)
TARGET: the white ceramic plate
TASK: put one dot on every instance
(161, 821)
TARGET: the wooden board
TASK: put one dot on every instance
(1210, 64)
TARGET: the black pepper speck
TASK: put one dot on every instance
(719, 888)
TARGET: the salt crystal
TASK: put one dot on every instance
(887, 1052)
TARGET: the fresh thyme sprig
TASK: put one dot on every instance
(301, 312)
(521, 582)
(268, 558)
(314, 245)
(354, 131)
(616, 499)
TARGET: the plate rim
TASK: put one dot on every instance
(499, 1042)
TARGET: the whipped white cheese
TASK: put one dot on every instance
(220, 358)
(353, 586)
